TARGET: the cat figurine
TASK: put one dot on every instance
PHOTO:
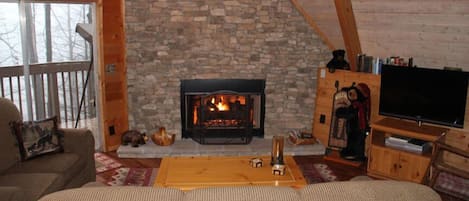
(134, 137)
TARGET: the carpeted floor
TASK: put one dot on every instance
(133, 177)
(105, 163)
(317, 173)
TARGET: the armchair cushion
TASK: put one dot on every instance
(33, 185)
(12, 193)
(68, 165)
(36, 138)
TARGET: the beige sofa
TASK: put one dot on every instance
(378, 190)
(31, 179)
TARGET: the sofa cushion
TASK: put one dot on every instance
(36, 138)
(238, 193)
(379, 190)
(9, 154)
(67, 165)
(12, 193)
(116, 194)
(34, 185)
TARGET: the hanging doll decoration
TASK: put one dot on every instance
(350, 121)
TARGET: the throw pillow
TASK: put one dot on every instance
(36, 138)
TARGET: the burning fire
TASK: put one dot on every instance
(220, 110)
(221, 105)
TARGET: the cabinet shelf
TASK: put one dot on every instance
(409, 129)
(393, 162)
(427, 154)
(441, 165)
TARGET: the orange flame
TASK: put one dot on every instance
(221, 105)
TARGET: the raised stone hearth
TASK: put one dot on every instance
(187, 147)
(170, 41)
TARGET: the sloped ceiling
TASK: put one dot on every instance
(325, 16)
(434, 32)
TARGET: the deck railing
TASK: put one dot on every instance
(56, 90)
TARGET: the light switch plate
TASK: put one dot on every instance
(323, 73)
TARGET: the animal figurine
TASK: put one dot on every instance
(162, 138)
(134, 137)
(338, 61)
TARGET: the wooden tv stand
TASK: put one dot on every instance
(394, 163)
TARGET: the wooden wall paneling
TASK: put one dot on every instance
(413, 6)
(448, 56)
(326, 19)
(325, 93)
(349, 31)
(114, 79)
(312, 23)
(434, 32)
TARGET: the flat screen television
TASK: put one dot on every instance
(424, 95)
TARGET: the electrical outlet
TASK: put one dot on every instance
(112, 130)
(110, 68)
(322, 118)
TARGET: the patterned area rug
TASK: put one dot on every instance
(104, 163)
(133, 177)
(317, 173)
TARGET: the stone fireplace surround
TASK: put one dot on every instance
(168, 41)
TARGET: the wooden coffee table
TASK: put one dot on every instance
(187, 173)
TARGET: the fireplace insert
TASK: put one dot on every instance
(222, 111)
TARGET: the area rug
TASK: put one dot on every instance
(105, 163)
(317, 173)
(133, 177)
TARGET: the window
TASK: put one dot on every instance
(48, 79)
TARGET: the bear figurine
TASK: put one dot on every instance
(134, 137)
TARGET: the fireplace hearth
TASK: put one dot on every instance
(222, 111)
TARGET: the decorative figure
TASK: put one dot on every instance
(278, 169)
(350, 121)
(277, 150)
(338, 61)
(256, 162)
(162, 138)
(359, 95)
(134, 137)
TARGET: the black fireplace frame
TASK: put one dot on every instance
(208, 86)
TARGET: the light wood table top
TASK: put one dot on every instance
(187, 173)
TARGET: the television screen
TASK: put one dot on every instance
(424, 95)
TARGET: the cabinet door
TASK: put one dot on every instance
(384, 161)
(412, 167)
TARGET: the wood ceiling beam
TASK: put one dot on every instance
(313, 24)
(349, 31)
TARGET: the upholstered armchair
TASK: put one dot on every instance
(30, 179)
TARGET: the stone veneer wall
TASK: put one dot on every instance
(170, 40)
